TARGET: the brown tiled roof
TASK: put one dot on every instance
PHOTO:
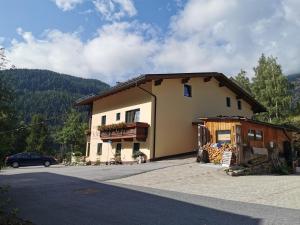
(241, 93)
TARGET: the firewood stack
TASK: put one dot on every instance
(215, 153)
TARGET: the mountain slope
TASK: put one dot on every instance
(48, 93)
(294, 79)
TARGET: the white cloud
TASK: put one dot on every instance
(115, 9)
(67, 5)
(205, 35)
(219, 35)
(117, 50)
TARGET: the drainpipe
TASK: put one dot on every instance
(154, 120)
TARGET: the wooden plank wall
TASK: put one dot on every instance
(276, 135)
(270, 133)
(213, 126)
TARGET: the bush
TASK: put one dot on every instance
(137, 154)
(88, 163)
(98, 162)
(77, 154)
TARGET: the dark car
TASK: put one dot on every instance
(29, 159)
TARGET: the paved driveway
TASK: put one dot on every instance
(100, 173)
(89, 196)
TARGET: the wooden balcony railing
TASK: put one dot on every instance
(136, 130)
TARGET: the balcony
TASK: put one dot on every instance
(124, 131)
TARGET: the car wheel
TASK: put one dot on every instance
(47, 164)
(15, 165)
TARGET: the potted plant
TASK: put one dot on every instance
(139, 156)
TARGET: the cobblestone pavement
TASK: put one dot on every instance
(211, 181)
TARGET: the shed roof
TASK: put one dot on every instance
(221, 78)
(244, 119)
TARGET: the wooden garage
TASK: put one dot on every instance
(249, 137)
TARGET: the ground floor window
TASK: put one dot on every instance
(99, 149)
(88, 149)
(118, 149)
(136, 147)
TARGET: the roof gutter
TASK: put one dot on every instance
(154, 119)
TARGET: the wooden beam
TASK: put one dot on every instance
(185, 80)
(158, 82)
(206, 79)
(238, 97)
(221, 84)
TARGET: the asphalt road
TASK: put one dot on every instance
(48, 198)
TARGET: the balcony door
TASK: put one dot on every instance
(132, 116)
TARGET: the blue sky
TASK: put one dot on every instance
(114, 40)
(39, 15)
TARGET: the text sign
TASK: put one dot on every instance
(226, 159)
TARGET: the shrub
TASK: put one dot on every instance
(98, 162)
(77, 154)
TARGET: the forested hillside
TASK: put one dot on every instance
(294, 79)
(48, 93)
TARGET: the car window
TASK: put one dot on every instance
(35, 155)
(24, 155)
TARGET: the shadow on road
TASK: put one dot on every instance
(48, 199)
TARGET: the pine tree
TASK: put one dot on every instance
(243, 81)
(38, 138)
(270, 87)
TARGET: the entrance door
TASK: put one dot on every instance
(238, 142)
(288, 154)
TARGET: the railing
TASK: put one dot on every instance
(136, 130)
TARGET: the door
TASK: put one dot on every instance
(36, 159)
(24, 159)
(238, 142)
(288, 154)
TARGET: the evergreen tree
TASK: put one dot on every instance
(38, 138)
(270, 87)
(72, 133)
(243, 81)
(6, 120)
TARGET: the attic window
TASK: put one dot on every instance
(187, 90)
(228, 103)
(239, 104)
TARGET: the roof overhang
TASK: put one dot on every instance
(221, 78)
(243, 119)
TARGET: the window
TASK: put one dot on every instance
(258, 135)
(88, 149)
(228, 103)
(187, 90)
(118, 149)
(239, 104)
(133, 116)
(224, 136)
(103, 120)
(35, 155)
(136, 147)
(118, 116)
(251, 134)
(99, 149)
(24, 155)
(255, 135)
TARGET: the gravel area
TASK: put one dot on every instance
(211, 181)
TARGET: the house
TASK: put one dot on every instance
(154, 114)
(250, 137)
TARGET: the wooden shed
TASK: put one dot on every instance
(249, 136)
